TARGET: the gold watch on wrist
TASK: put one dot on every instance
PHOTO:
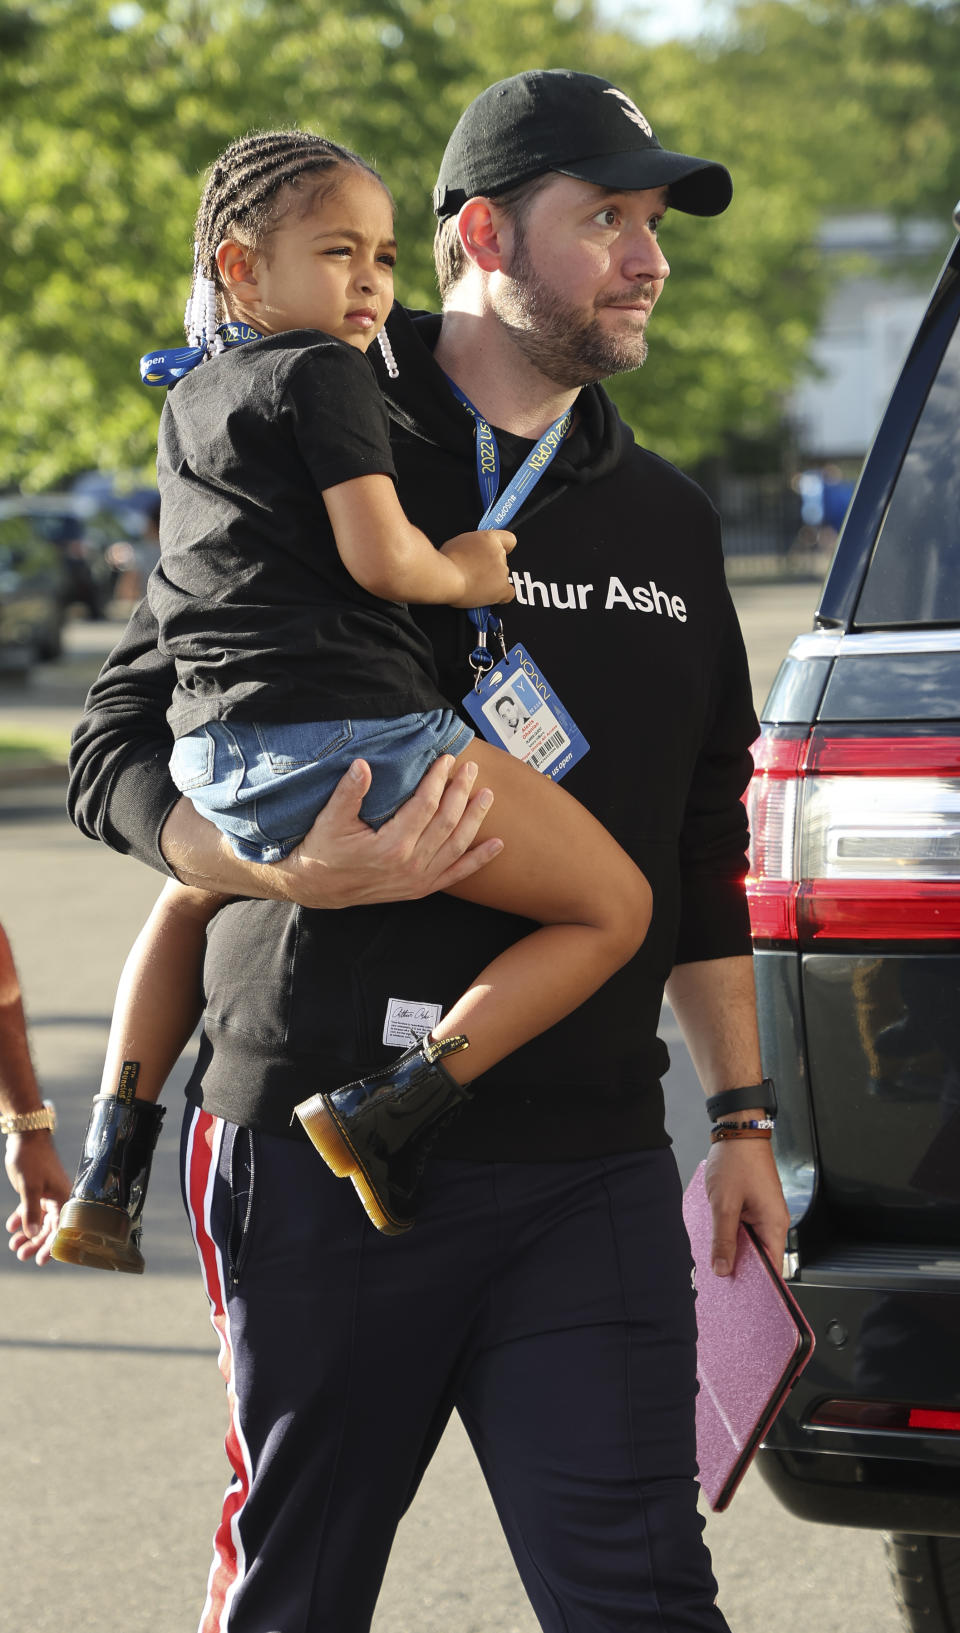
(25, 1122)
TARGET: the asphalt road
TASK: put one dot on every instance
(113, 1412)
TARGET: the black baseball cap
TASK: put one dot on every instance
(578, 125)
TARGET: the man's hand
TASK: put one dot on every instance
(429, 845)
(715, 1003)
(37, 1174)
(743, 1184)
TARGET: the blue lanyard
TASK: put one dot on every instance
(499, 511)
(488, 454)
(166, 368)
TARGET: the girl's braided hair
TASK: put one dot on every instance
(242, 199)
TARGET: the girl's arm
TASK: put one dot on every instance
(392, 559)
(160, 996)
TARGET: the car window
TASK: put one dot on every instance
(15, 532)
(57, 526)
(914, 577)
(49, 526)
(18, 541)
(23, 548)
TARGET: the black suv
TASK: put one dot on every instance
(855, 902)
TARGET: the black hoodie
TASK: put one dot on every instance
(622, 602)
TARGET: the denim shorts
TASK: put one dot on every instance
(263, 783)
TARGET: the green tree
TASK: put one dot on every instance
(869, 90)
(110, 112)
(817, 106)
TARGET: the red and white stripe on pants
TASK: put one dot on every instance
(204, 1140)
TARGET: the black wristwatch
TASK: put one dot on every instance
(755, 1094)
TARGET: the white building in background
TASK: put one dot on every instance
(880, 282)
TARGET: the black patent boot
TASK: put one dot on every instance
(100, 1224)
(377, 1131)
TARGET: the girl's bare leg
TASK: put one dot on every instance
(559, 866)
(157, 1007)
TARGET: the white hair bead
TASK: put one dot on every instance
(388, 357)
(191, 317)
(210, 311)
(200, 317)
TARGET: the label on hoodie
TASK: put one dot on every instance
(408, 1020)
(514, 707)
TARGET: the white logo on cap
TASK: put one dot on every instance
(631, 110)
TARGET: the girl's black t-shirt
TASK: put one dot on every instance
(251, 599)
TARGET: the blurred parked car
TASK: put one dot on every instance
(32, 591)
(855, 904)
(83, 535)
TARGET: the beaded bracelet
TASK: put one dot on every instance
(754, 1122)
(721, 1132)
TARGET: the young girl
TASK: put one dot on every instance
(286, 566)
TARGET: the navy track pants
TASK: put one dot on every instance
(549, 1304)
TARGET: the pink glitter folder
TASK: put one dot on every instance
(753, 1343)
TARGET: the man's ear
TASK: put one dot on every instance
(236, 264)
(483, 228)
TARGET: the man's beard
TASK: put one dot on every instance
(554, 335)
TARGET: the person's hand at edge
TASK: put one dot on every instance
(37, 1174)
(742, 1183)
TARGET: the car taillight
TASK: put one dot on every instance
(854, 836)
(771, 801)
(839, 1414)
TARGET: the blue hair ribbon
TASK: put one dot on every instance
(167, 367)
